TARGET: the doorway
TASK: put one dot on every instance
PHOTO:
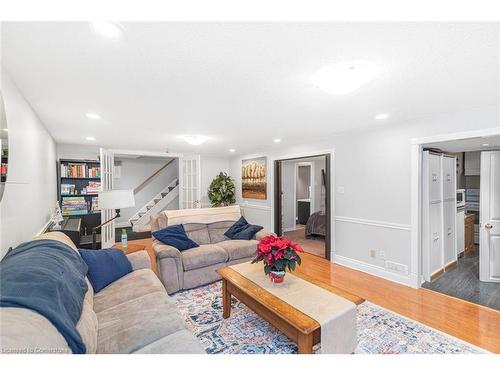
(460, 206)
(302, 202)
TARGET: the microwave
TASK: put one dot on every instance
(461, 198)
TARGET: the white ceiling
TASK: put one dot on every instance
(469, 144)
(243, 83)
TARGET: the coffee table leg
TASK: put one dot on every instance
(305, 343)
(226, 300)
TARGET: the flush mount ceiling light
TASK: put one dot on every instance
(345, 77)
(277, 140)
(381, 116)
(195, 140)
(93, 116)
(111, 30)
(90, 138)
(232, 150)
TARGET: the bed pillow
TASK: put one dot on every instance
(105, 266)
(175, 235)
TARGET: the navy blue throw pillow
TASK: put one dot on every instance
(105, 266)
(236, 227)
(175, 235)
(241, 230)
(247, 232)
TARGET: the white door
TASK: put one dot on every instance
(189, 182)
(108, 230)
(489, 246)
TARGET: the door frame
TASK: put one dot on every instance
(329, 201)
(416, 149)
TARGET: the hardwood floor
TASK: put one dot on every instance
(473, 323)
(314, 246)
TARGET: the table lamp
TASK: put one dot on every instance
(113, 200)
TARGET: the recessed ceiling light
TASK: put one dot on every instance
(90, 138)
(381, 116)
(232, 150)
(345, 77)
(277, 140)
(195, 140)
(111, 30)
(93, 116)
(485, 144)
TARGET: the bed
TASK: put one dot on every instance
(316, 224)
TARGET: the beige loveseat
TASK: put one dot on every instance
(206, 226)
(134, 314)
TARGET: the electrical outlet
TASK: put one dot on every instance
(397, 267)
(373, 253)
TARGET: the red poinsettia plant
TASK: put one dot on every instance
(278, 254)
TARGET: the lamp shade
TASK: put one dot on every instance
(116, 199)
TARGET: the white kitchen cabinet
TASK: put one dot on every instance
(449, 178)
(460, 232)
(449, 232)
(435, 178)
(438, 213)
(436, 237)
(472, 163)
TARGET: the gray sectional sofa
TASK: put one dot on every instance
(206, 226)
(134, 314)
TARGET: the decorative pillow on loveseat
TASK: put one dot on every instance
(105, 266)
(175, 235)
(241, 230)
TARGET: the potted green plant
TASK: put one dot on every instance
(222, 191)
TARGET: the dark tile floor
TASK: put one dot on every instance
(463, 282)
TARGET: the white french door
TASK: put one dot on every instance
(489, 234)
(108, 230)
(189, 182)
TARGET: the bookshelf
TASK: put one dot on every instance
(79, 182)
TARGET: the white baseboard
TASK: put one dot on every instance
(371, 269)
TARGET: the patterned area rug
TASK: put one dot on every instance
(379, 330)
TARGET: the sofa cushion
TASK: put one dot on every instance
(131, 325)
(216, 230)
(176, 236)
(134, 285)
(198, 233)
(87, 327)
(105, 266)
(238, 249)
(180, 342)
(203, 256)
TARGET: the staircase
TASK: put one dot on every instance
(140, 220)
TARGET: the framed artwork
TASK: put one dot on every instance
(254, 178)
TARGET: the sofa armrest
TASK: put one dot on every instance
(262, 233)
(165, 251)
(139, 260)
(169, 266)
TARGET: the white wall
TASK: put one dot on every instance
(288, 198)
(31, 191)
(211, 167)
(373, 166)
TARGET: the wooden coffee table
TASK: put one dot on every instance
(297, 326)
